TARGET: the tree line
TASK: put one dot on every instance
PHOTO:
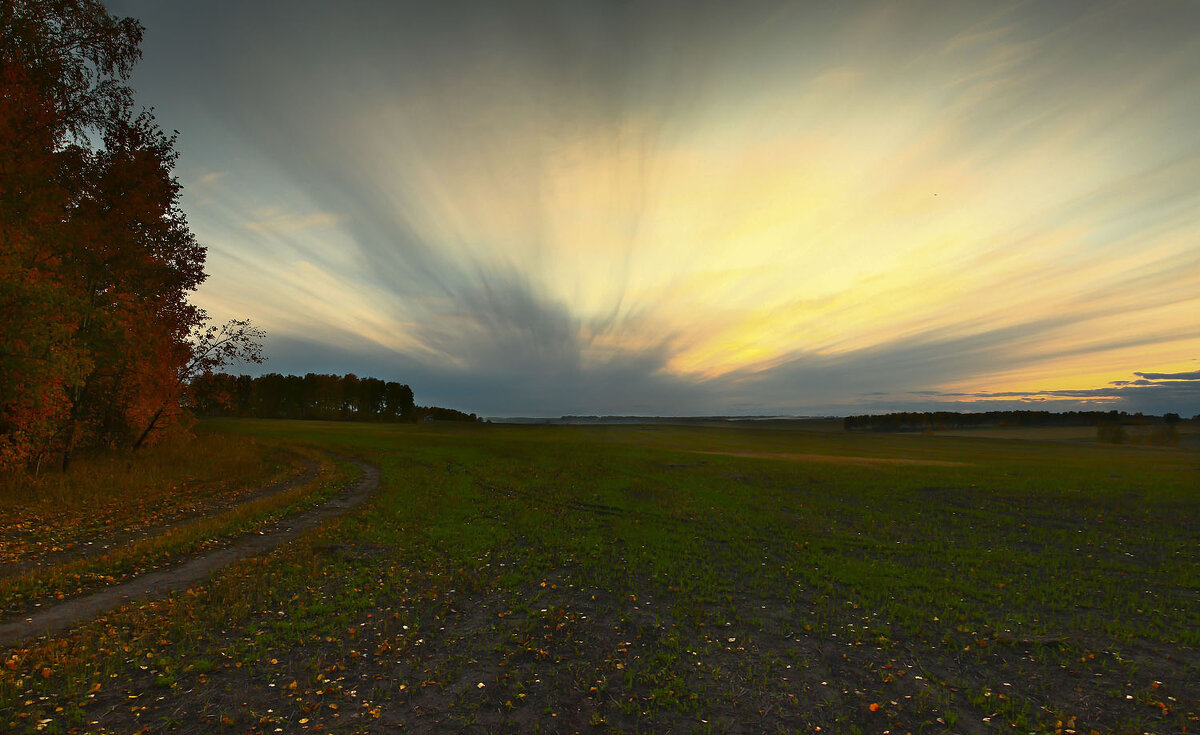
(932, 420)
(97, 262)
(313, 396)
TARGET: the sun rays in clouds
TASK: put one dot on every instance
(770, 208)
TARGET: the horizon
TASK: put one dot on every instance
(774, 207)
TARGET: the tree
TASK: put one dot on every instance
(398, 402)
(211, 347)
(77, 56)
(134, 262)
(38, 358)
(97, 262)
(314, 396)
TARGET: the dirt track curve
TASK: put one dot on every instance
(107, 543)
(157, 584)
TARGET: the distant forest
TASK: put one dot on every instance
(950, 420)
(313, 396)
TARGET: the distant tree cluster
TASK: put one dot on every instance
(1136, 429)
(433, 413)
(1112, 427)
(313, 396)
(932, 421)
(97, 261)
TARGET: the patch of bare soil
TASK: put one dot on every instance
(568, 658)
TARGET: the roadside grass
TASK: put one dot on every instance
(104, 497)
(628, 579)
(44, 586)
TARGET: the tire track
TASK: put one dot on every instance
(157, 584)
(104, 544)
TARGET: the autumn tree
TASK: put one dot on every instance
(97, 261)
(38, 359)
(209, 348)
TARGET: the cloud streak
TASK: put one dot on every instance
(1193, 375)
(286, 223)
(747, 209)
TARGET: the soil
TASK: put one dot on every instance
(491, 664)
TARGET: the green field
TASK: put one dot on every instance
(674, 579)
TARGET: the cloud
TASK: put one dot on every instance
(1193, 375)
(209, 178)
(1154, 396)
(597, 207)
(628, 384)
(287, 223)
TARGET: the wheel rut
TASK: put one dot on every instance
(60, 617)
(104, 544)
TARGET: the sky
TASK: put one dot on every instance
(547, 208)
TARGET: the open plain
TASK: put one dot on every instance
(653, 579)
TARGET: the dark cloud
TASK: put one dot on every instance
(1193, 375)
(1146, 396)
(628, 384)
(384, 115)
(523, 382)
(933, 357)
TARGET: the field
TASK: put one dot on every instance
(666, 579)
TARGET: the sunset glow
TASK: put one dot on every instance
(761, 209)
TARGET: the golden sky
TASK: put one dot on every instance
(725, 208)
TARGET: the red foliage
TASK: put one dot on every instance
(97, 261)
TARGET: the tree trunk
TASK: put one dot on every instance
(149, 427)
(69, 448)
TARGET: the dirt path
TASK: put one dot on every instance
(101, 545)
(156, 584)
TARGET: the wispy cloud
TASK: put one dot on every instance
(761, 206)
(287, 223)
(1193, 375)
(1152, 393)
(209, 178)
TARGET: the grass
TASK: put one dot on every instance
(107, 496)
(42, 586)
(659, 578)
